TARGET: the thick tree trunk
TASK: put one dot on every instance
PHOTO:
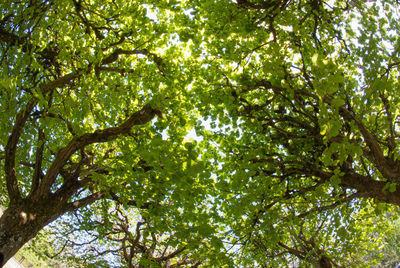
(324, 262)
(20, 223)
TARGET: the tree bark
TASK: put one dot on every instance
(21, 222)
(324, 262)
(25, 217)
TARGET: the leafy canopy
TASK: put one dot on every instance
(294, 103)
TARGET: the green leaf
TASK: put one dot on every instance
(338, 102)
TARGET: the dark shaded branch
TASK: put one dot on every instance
(146, 114)
(131, 202)
(12, 39)
(389, 170)
(270, 6)
(292, 251)
(371, 188)
(114, 57)
(37, 173)
(171, 255)
(83, 202)
(389, 117)
(58, 83)
(366, 186)
(20, 121)
(10, 151)
(71, 183)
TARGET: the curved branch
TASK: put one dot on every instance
(10, 151)
(146, 114)
(388, 170)
(114, 57)
(58, 83)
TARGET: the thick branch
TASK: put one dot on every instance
(366, 186)
(13, 39)
(292, 251)
(381, 163)
(58, 83)
(10, 151)
(21, 118)
(146, 114)
(114, 57)
(371, 188)
(37, 173)
(271, 6)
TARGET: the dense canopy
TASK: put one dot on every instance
(199, 133)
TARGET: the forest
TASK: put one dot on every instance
(200, 133)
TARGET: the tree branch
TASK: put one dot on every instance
(114, 57)
(10, 151)
(131, 202)
(388, 170)
(171, 255)
(37, 173)
(292, 251)
(58, 83)
(83, 202)
(146, 114)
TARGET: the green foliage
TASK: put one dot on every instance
(391, 250)
(387, 255)
(307, 102)
(294, 104)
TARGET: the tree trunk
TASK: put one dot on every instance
(20, 223)
(324, 262)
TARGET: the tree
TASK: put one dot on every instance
(93, 106)
(128, 240)
(305, 94)
(97, 98)
(388, 252)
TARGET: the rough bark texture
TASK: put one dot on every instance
(25, 217)
(21, 222)
(46, 200)
(324, 262)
